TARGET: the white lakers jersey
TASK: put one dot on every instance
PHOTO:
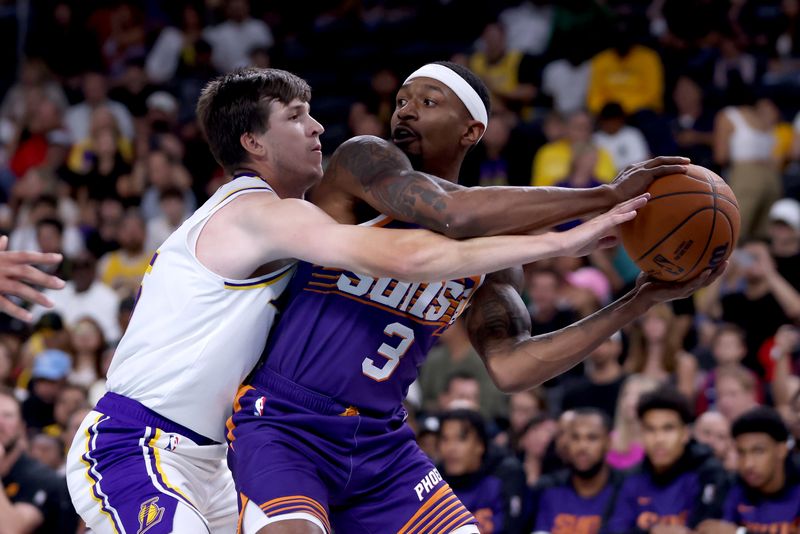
(194, 335)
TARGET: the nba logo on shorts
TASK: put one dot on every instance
(173, 442)
(150, 514)
(259, 409)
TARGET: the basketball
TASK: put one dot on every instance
(690, 224)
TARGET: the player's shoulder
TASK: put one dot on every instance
(365, 155)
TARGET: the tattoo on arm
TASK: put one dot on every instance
(497, 314)
(391, 184)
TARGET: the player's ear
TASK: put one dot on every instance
(473, 133)
(252, 144)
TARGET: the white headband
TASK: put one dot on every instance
(458, 85)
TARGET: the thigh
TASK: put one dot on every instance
(408, 496)
(119, 483)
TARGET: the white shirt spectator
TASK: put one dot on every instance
(162, 61)
(567, 84)
(78, 117)
(528, 27)
(627, 146)
(99, 302)
(24, 238)
(231, 42)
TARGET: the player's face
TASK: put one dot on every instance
(429, 119)
(588, 442)
(760, 459)
(459, 448)
(10, 422)
(292, 140)
(664, 436)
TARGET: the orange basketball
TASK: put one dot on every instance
(690, 223)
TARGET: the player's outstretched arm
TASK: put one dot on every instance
(499, 326)
(17, 271)
(297, 229)
(377, 172)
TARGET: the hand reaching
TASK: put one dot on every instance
(634, 179)
(17, 268)
(657, 291)
(601, 232)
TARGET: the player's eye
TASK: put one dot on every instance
(401, 102)
(429, 102)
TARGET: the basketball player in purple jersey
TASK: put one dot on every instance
(318, 440)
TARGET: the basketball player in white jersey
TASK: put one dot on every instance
(150, 457)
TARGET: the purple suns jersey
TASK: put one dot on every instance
(779, 514)
(358, 339)
(562, 511)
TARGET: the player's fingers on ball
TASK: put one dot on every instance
(666, 160)
(666, 170)
(14, 311)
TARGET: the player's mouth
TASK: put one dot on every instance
(404, 135)
(317, 148)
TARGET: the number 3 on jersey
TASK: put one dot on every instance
(392, 354)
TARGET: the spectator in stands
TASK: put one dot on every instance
(734, 66)
(48, 451)
(462, 390)
(737, 391)
(122, 270)
(95, 94)
(85, 296)
(523, 407)
(600, 387)
(714, 430)
(233, 39)
(763, 300)
(34, 74)
(534, 442)
(174, 46)
(172, 202)
(784, 239)
(88, 345)
(164, 171)
(454, 356)
(656, 352)
(626, 438)
(625, 143)
(70, 399)
(766, 497)
(48, 376)
(489, 483)
(578, 499)
(628, 73)
(510, 75)
(744, 140)
(728, 348)
(32, 497)
(566, 80)
(39, 137)
(548, 312)
(692, 125)
(671, 486)
(552, 161)
(528, 26)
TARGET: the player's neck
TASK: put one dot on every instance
(284, 187)
(448, 170)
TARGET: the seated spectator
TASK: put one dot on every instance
(713, 430)
(70, 399)
(175, 45)
(32, 496)
(552, 161)
(85, 296)
(88, 345)
(628, 73)
(122, 269)
(766, 496)
(233, 39)
(45, 206)
(784, 239)
(728, 349)
(626, 438)
(486, 481)
(40, 139)
(454, 356)
(601, 385)
(462, 391)
(48, 376)
(693, 124)
(523, 407)
(566, 80)
(625, 143)
(534, 442)
(163, 171)
(736, 390)
(173, 212)
(656, 352)
(548, 311)
(95, 94)
(48, 451)
(578, 499)
(510, 75)
(672, 485)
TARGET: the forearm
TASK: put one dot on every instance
(524, 362)
(515, 210)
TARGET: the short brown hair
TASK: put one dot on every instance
(238, 103)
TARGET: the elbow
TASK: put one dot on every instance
(506, 380)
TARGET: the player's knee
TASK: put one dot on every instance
(291, 526)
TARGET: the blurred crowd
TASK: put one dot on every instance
(101, 158)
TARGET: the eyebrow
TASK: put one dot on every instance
(298, 107)
(428, 86)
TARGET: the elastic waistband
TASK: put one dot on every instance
(115, 404)
(286, 389)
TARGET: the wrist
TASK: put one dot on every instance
(609, 195)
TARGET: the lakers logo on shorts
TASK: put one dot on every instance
(150, 514)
